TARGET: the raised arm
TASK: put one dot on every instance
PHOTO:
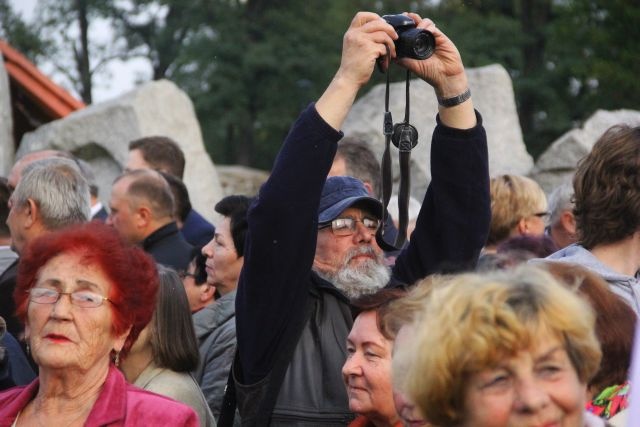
(283, 227)
(454, 220)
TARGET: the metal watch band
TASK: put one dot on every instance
(456, 100)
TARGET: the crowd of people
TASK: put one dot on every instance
(503, 308)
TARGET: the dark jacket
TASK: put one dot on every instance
(167, 246)
(14, 366)
(197, 230)
(291, 325)
(101, 215)
(7, 304)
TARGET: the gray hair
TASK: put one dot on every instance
(560, 200)
(361, 162)
(58, 188)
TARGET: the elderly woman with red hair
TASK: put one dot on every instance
(84, 296)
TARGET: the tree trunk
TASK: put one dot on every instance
(82, 54)
(534, 18)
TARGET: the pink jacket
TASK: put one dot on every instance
(119, 404)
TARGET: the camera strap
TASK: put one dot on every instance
(405, 137)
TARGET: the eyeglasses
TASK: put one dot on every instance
(543, 215)
(347, 226)
(83, 299)
(183, 275)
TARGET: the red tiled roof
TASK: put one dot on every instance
(53, 100)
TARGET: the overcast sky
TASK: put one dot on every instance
(122, 76)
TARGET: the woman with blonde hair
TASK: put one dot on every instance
(518, 207)
(510, 348)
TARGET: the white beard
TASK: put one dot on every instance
(366, 278)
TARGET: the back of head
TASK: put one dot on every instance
(131, 272)
(173, 338)
(182, 203)
(149, 187)
(360, 162)
(235, 208)
(473, 321)
(607, 188)
(615, 322)
(513, 197)
(21, 163)
(200, 268)
(560, 200)
(58, 189)
(5, 194)
(162, 153)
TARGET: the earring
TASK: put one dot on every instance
(116, 360)
(28, 350)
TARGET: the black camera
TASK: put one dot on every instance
(411, 42)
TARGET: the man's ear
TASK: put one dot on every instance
(369, 188)
(31, 212)
(144, 216)
(207, 293)
(568, 222)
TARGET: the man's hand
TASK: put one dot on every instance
(364, 42)
(444, 69)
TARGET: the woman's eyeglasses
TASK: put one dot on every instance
(83, 299)
(184, 274)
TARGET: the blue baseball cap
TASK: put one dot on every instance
(342, 192)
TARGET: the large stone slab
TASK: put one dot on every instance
(493, 96)
(6, 123)
(236, 179)
(560, 160)
(100, 134)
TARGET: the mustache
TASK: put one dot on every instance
(362, 250)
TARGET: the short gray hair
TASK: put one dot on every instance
(560, 200)
(58, 188)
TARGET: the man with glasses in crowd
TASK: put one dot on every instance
(311, 243)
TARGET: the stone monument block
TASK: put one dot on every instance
(493, 97)
(6, 123)
(100, 134)
(560, 160)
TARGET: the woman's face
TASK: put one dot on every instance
(538, 387)
(223, 264)
(63, 335)
(367, 371)
(409, 413)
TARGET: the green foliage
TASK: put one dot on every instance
(250, 66)
(20, 35)
(257, 67)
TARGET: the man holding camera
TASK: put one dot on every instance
(311, 242)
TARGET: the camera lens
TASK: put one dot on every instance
(423, 45)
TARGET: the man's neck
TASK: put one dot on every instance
(561, 237)
(622, 256)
